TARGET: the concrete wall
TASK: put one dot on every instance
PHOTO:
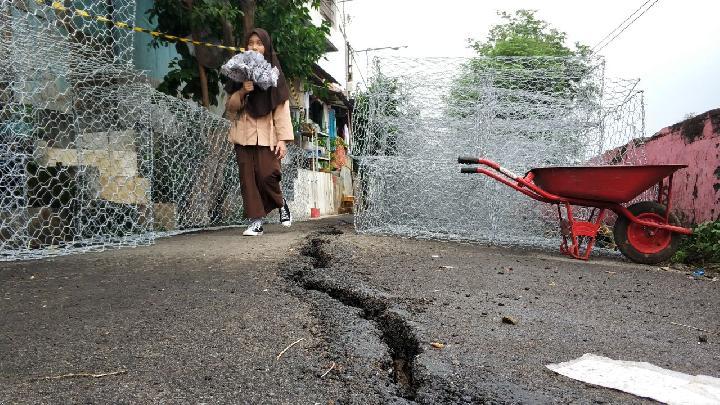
(696, 143)
(312, 190)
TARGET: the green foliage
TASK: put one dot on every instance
(296, 124)
(176, 18)
(297, 41)
(374, 134)
(546, 66)
(184, 78)
(702, 247)
(522, 34)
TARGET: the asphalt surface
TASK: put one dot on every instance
(316, 313)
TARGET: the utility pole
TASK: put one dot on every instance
(348, 69)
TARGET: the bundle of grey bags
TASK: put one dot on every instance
(251, 66)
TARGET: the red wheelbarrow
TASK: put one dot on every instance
(645, 232)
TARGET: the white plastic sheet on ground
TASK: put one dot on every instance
(642, 379)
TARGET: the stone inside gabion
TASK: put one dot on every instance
(417, 115)
(91, 155)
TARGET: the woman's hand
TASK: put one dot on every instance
(280, 149)
(234, 102)
(248, 86)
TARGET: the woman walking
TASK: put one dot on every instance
(260, 128)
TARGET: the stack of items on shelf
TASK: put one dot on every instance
(316, 145)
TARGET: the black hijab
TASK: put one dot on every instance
(261, 102)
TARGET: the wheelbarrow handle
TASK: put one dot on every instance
(479, 161)
(468, 160)
(486, 162)
(475, 169)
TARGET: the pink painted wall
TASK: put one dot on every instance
(696, 143)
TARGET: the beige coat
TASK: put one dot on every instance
(264, 131)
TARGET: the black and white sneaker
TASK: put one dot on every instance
(285, 215)
(255, 229)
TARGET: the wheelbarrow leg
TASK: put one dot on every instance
(565, 232)
(665, 195)
(574, 233)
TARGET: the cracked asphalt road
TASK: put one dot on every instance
(201, 318)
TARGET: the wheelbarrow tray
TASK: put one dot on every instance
(614, 184)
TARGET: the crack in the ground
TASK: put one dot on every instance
(325, 271)
(315, 251)
(395, 332)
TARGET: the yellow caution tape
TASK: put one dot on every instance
(56, 5)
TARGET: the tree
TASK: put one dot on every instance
(524, 58)
(522, 34)
(528, 89)
(196, 75)
(531, 55)
(374, 113)
(297, 41)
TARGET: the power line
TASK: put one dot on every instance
(598, 48)
(627, 26)
(343, 30)
(621, 24)
(352, 55)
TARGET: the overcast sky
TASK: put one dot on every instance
(674, 48)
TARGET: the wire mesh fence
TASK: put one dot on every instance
(91, 156)
(417, 115)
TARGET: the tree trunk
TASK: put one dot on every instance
(203, 76)
(228, 37)
(204, 86)
(201, 69)
(248, 9)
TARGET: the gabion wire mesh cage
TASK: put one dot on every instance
(417, 115)
(91, 156)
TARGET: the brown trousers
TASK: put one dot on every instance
(259, 180)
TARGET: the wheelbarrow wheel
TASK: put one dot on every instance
(643, 244)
